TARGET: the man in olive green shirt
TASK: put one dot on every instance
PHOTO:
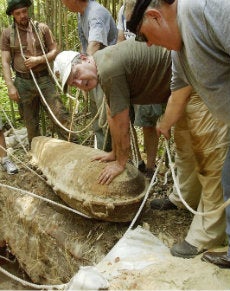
(128, 72)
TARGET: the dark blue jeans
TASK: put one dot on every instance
(226, 189)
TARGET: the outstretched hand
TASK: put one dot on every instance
(112, 170)
(105, 157)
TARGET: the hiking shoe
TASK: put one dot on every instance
(162, 204)
(9, 166)
(185, 250)
(141, 166)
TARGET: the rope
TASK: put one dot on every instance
(35, 286)
(8, 260)
(101, 114)
(151, 184)
(72, 117)
(219, 209)
(134, 146)
(21, 191)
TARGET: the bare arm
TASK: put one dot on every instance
(174, 110)
(6, 63)
(32, 61)
(119, 127)
(93, 46)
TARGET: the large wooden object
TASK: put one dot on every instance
(70, 171)
(50, 243)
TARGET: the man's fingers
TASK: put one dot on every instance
(105, 178)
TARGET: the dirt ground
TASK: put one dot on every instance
(169, 226)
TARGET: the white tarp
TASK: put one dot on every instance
(136, 250)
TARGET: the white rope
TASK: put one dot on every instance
(8, 260)
(101, 114)
(219, 209)
(21, 191)
(35, 286)
(151, 184)
(134, 146)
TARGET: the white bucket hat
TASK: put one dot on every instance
(62, 65)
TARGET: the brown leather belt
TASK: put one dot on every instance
(29, 76)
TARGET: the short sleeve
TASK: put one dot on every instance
(117, 93)
(5, 40)
(179, 79)
(120, 23)
(98, 31)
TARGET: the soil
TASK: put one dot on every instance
(169, 226)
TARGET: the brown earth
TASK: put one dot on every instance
(169, 226)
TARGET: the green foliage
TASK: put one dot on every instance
(8, 106)
(4, 91)
(4, 19)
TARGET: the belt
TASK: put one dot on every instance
(29, 76)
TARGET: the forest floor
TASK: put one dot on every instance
(168, 226)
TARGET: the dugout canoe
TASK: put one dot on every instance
(70, 171)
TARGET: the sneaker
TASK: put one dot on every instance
(9, 166)
(185, 250)
(162, 204)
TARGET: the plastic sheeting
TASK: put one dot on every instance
(136, 250)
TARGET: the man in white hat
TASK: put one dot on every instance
(97, 30)
(127, 72)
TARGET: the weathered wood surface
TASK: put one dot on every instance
(49, 243)
(70, 171)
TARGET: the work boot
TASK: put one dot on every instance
(219, 259)
(185, 250)
(162, 204)
(9, 166)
